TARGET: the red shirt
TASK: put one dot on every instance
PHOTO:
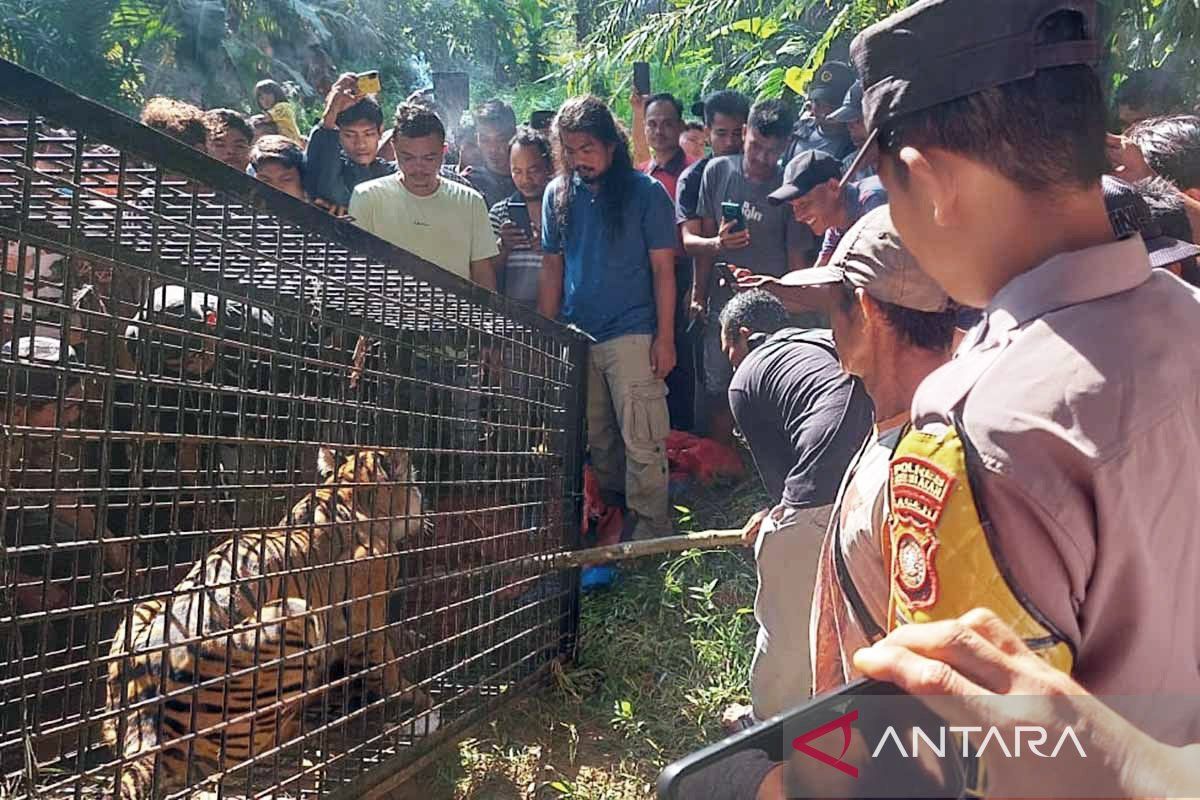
(668, 175)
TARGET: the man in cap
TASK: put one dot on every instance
(823, 200)
(850, 115)
(1169, 213)
(893, 326)
(1129, 213)
(1042, 476)
(803, 420)
(816, 130)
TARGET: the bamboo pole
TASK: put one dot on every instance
(607, 554)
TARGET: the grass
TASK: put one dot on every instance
(662, 653)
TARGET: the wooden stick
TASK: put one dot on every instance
(704, 540)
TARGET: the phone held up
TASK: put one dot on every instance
(641, 77)
(518, 212)
(369, 83)
(732, 212)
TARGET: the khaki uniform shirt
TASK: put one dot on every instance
(1080, 389)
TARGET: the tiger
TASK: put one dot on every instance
(218, 672)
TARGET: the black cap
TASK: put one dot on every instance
(831, 83)
(1129, 214)
(851, 110)
(804, 173)
(936, 51)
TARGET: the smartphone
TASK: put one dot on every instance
(732, 212)
(641, 77)
(368, 82)
(540, 120)
(861, 710)
(725, 273)
(518, 212)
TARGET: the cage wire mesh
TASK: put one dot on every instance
(276, 496)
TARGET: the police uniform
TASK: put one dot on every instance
(1050, 470)
(829, 86)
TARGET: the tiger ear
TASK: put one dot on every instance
(326, 463)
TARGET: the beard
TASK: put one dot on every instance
(589, 177)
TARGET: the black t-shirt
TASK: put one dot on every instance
(687, 191)
(803, 417)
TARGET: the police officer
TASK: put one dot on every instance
(815, 130)
(1050, 474)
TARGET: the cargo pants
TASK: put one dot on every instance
(628, 425)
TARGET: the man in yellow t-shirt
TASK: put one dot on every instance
(441, 221)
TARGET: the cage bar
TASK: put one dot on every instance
(274, 491)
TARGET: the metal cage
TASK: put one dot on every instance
(277, 497)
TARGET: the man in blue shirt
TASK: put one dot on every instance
(608, 267)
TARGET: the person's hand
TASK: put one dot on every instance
(976, 671)
(731, 240)
(638, 101)
(752, 527)
(662, 356)
(749, 281)
(465, 171)
(1128, 162)
(342, 95)
(697, 308)
(336, 210)
(512, 237)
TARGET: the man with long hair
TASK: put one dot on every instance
(608, 267)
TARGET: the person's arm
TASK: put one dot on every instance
(483, 272)
(497, 218)
(550, 285)
(484, 250)
(641, 147)
(550, 280)
(322, 173)
(662, 351)
(342, 95)
(965, 667)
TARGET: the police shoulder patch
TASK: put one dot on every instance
(919, 490)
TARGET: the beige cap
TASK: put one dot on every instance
(871, 257)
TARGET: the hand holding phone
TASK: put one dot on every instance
(518, 212)
(368, 83)
(641, 77)
(733, 235)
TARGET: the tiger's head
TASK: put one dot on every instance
(382, 484)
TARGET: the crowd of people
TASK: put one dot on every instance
(942, 308)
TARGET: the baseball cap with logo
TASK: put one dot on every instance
(831, 83)
(965, 47)
(804, 173)
(851, 110)
(1129, 214)
(871, 257)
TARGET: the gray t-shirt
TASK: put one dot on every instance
(773, 230)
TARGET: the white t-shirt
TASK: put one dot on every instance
(448, 228)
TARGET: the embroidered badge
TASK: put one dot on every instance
(919, 491)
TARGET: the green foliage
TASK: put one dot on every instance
(533, 53)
